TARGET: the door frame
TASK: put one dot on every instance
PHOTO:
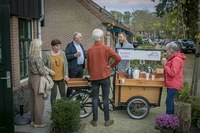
(6, 96)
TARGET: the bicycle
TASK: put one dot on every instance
(83, 94)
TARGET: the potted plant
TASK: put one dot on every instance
(65, 116)
(167, 122)
(21, 106)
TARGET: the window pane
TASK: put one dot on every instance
(21, 50)
(21, 29)
(24, 41)
(29, 30)
(26, 67)
(21, 69)
(26, 48)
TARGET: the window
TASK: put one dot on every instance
(24, 43)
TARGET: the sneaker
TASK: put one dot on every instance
(94, 123)
(109, 122)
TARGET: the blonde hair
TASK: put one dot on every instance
(35, 46)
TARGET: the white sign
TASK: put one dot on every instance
(127, 54)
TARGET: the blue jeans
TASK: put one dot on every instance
(171, 93)
(105, 86)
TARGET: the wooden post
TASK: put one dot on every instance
(183, 111)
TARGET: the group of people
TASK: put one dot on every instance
(62, 66)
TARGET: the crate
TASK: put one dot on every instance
(77, 82)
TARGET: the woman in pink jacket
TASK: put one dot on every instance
(173, 74)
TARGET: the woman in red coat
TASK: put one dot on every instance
(173, 74)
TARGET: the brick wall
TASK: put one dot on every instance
(63, 18)
(35, 29)
(14, 35)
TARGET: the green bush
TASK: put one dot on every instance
(185, 96)
(195, 103)
(139, 39)
(65, 116)
(184, 93)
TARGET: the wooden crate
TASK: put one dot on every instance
(77, 82)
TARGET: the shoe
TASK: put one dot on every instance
(157, 127)
(39, 126)
(94, 123)
(109, 122)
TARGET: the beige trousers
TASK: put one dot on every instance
(36, 100)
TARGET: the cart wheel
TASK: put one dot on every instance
(85, 101)
(138, 107)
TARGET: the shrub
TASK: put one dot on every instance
(139, 38)
(185, 96)
(65, 115)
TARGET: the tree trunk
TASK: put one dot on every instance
(183, 111)
(196, 72)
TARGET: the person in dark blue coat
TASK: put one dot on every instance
(76, 56)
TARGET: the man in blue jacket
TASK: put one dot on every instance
(76, 56)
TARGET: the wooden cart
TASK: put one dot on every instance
(138, 95)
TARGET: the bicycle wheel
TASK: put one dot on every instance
(138, 107)
(111, 106)
(85, 101)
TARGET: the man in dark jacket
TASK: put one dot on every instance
(76, 56)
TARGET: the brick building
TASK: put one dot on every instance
(64, 17)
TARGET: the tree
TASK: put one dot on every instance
(187, 17)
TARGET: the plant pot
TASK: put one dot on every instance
(166, 130)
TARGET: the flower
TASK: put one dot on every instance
(167, 121)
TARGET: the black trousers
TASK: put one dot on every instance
(75, 73)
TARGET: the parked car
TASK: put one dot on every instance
(145, 40)
(186, 45)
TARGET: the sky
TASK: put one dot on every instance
(127, 5)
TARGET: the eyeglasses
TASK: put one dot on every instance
(57, 45)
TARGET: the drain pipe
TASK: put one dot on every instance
(40, 20)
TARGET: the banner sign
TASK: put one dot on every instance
(127, 54)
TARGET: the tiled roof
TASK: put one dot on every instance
(102, 14)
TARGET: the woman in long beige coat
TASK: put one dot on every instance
(36, 70)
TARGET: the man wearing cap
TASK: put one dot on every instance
(98, 65)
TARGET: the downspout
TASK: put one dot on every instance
(40, 20)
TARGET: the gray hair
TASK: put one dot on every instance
(97, 34)
(75, 34)
(172, 46)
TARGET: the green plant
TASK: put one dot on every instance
(195, 103)
(184, 93)
(139, 38)
(65, 115)
(21, 97)
(185, 96)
